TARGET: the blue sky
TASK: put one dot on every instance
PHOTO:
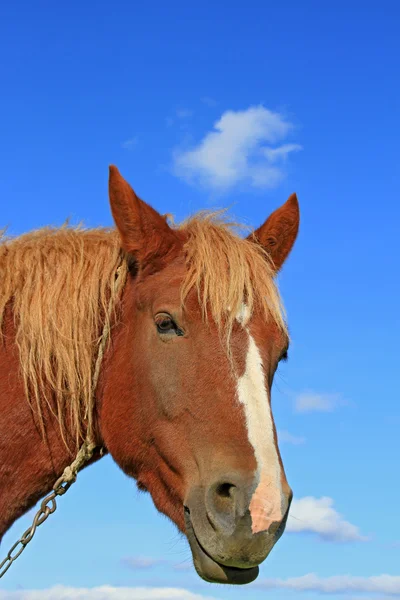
(230, 104)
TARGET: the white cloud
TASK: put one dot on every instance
(374, 597)
(275, 154)
(312, 402)
(288, 438)
(317, 516)
(244, 146)
(181, 114)
(129, 144)
(142, 562)
(102, 593)
(148, 562)
(339, 584)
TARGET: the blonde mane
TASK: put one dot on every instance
(228, 271)
(60, 284)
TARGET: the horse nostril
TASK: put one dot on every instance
(227, 502)
(226, 490)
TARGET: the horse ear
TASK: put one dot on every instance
(144, 232)
(278, 234)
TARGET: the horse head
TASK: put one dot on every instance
(186, 387)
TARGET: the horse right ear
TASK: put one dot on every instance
(144, 232)
(278, 234)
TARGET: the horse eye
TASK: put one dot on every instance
(166, 324)
(284, 356)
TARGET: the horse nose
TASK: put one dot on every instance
(220, 518)
(228, 502)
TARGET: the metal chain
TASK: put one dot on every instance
(63, 483)
(47, 507)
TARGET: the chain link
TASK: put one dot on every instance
(63, 483)
(47, 507)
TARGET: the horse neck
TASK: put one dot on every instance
(29, 463)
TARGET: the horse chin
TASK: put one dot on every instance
(209, 569)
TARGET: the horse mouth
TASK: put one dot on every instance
(208, 568)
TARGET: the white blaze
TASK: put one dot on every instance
(266, 504)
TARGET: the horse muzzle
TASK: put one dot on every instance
(220, 533)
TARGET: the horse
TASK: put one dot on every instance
(183, 397)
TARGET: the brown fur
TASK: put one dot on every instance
(166, 405)
(60, 282)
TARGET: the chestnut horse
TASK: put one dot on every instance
(183, 399)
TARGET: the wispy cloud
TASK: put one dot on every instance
(209, 101)
(148, 562)
(288, 438)
(142, 562)
(104, 592)
(338, 584)
(129, 144)
(313, 402)
(184, 113)
(243, 147)
(317, 516)
(181, 114)
(373, 597)
(183, 566)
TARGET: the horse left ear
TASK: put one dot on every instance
(144, 233)
(278, 234)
